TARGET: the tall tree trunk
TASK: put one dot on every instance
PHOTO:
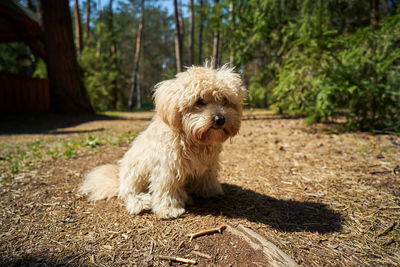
(191, 31)
(375, 7)
(181, 27)
(98, 44)
(215, 54)
(67, 92)
(136, 59)
(232, 28)
(385, 7)
(78, 29)
(113, 53)
(219, 56)
(87, 19)
(200, 45)
(178, 40)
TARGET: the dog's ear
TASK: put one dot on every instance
(166, 101)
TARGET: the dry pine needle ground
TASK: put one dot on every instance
(324, 199)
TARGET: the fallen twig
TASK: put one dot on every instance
(176, 259)
(200, 254)
(387, 230)
(208, 231)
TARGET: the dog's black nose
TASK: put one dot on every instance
(218, 120)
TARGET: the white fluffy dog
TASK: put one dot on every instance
(178, 154)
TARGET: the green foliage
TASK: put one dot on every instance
(40, 70)
(356, 76)
(15, 58)
(324, 59)
(108, 74)
(100, 72)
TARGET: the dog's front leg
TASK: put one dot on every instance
(168, 196)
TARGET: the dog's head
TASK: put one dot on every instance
(204, 103)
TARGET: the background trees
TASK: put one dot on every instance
(320, 58)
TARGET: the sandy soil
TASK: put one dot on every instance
(324, 198)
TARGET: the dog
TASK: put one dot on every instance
(178, 154)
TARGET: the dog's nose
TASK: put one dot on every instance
(218, 120)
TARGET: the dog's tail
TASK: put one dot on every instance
(102, 182)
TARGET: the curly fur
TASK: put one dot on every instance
(178, 154)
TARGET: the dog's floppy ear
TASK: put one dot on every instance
(166, 100)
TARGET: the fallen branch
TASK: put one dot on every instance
(208, 231)
(200, 254)
(176, 259)
(387, 230)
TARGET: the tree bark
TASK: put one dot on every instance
(220, 40)
(66, 88)
(99, 19)
(385, 7)
(113, 53)
(178, 40)
(200, 45)
(375, 8)
(216, 40)
(191, 31)
(181, 26)
(136, 59)
(78, 29)
(232, 28)
(87, 19)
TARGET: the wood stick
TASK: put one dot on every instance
(176, 259)
(387, 230)
(208, 231)
(200, 254)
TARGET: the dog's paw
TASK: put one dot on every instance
(169, 212)
(135, 204)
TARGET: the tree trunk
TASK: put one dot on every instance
(66, 89)
(181, 26)
(134, 86)
(232, 28)
(375, 6)
(178, 40)
(191, 31)
(87, 19)
(385, 7)
(200, 48)
(215, 54)
(113, 53)
(78, 29)
(99, 18)
(219, 58)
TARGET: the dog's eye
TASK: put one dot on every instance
(225, 101)
(200, 102)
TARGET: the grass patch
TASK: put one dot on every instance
(15, 158)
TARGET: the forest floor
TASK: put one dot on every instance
(324, 197)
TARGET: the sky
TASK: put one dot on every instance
(167, 4)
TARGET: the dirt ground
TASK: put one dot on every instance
(323, 197)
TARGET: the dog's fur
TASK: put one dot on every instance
(178, 154)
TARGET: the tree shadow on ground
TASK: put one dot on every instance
(283, 215)
(47, 123)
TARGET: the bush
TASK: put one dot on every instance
(356, 76)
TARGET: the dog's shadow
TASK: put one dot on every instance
(283, 215)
